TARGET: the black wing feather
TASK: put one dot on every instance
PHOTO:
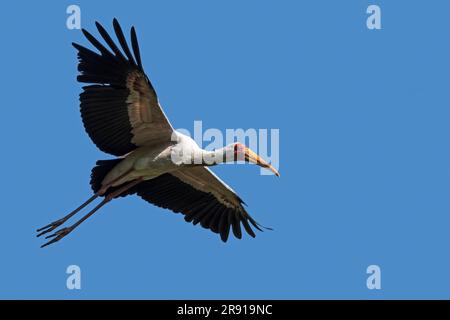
(110, 42)
(103, 104)
(96, 43)
(168, 191)
(107, 123)
(135, 46)
(123, 41)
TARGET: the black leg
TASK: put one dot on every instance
(55, 224)
(58, 235)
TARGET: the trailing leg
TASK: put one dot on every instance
(58, 235)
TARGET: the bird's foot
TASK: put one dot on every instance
(50, 227)
(58, 235)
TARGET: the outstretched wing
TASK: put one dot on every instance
(120, 109)
(202, 197)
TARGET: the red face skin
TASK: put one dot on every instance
(239, 152)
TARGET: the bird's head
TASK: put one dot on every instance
(240, 152)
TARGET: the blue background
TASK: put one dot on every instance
(364, 123)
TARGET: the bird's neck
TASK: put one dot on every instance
(211, 158)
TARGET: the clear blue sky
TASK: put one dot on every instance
(364, 123)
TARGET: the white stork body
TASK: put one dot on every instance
(122, 116)
(147, 162)
(151, 161)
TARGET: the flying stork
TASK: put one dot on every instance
(122, 115)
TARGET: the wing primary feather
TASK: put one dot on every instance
(248, 228)
(84, 50)
(122, 41)
(235, 224)
(256, 224)
(206, 220)
(109, 41)
(96, 43)
(135, 46)
(224, 225)
(214, 222)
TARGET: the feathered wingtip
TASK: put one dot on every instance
(125, 55)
